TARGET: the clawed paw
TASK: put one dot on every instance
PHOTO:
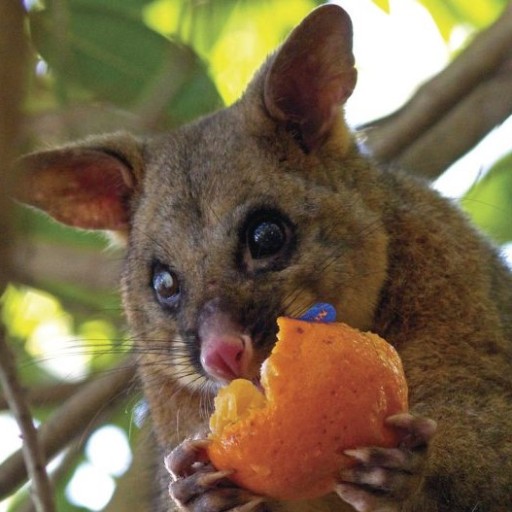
(382, 477)
(196, 486)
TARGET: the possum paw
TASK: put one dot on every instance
(196, 486)
(383, 477)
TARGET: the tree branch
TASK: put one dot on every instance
(13, 53)
(466, 124)
(73, 452)
(32, 452)
(44, 396)
(70, 420)
(12, 68)
(34, 261)
(464, 81)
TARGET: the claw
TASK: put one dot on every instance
(382, 477)
(210, 479)
(419, 430)
(185, 489)
(180, 461)
(361, 501)
(377, 479)
(197, 486)
(249, 506)
(389, 458)
(224, 499)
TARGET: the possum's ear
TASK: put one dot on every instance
(89, 185)
(312, 75)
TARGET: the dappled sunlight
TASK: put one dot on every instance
(394, 53)
(507, 253)
(90, 488)
(24, 309)
(248, 40)
(55, 341)
(108, 456)
(53, 345)
(247, 34)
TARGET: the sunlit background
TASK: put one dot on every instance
(395, 52)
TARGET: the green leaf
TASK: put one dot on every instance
(479, 13)
(254, 30)
(89, 53)
(444, 16)
(383, 4)
(197, 23)
(109, 52)
(489, 201)
(447, 14)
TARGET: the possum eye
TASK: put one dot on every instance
(267, 237)
(165, 285)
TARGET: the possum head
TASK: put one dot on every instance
(247, 214)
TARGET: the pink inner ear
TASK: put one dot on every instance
(84, 188)
(101, 194)
(313, 74)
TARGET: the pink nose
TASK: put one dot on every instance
(226, 351)
(225, 357)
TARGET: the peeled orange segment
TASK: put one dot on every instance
(327, 388)
(234, 403)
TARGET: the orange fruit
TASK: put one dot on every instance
(327, 388)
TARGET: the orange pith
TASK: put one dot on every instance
(328, 388)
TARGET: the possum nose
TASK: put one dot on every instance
(226, 357)
(226, 349)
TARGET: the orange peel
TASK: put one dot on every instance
(327, 388)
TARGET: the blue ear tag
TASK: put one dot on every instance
(320, 312)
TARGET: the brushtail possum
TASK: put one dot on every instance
(262, 209)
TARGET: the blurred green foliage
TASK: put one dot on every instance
(163, 62)
(106, 51)
(449, 13)
(489, 201)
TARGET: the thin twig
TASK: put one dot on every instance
(44, 396)
(33, 455)
(72, 454)
(69, 461)
(70, 420)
